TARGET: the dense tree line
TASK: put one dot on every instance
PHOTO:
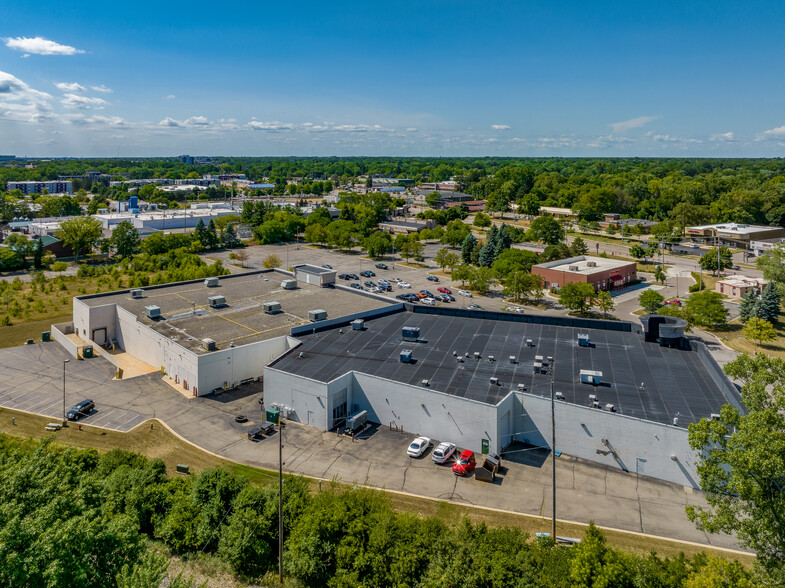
(78, 518)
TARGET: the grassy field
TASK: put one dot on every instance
(734, 338)
(153, 440)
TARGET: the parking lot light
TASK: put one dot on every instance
(65, 361)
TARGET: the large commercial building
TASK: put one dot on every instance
(600, 272)
(735, 234)
(53, 187)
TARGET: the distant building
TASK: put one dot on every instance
(472, 205)
(186, 159)
(626, 223)
(449, 186)
(600, 272)
(53, 187)
(738, 286)
(406, 226)
(733, 233)
(761, 246)
(558, 212)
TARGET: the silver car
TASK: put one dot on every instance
(443, 452)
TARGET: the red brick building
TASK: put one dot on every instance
(602, 273)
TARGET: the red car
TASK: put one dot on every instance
(444, 290)
(421, 295)
(464, 464)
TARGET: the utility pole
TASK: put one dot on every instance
(65, 361)
(280, 500)
(553, 453)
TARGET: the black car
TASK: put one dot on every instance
(344, 276)
(80, 409)
(327, 266)
(367, 274)
(432, 279)
(402, 296)
(355, 285)
(381, 265)
(428, 293)
(353, 277)
(370, 283)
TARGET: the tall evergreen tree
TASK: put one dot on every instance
(38, 254)
(747, 308)
(503, 241)
(229, 237)
(486, 257)
(467, 247)
(212, 236)
(200, 232)
(769, 304)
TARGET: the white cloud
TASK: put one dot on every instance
(101, 88)
(275, 125)
(777, 133)
(197, 121)
(18, 101)
(633, 123)
(171, 97)
(722, 137)
(412, 129)
(608, 141)
(70, 87)
(672, 139)
(500, 127)
(97, 120)
(40, 46)
(170, 122)
(332, 127)
(72, 101)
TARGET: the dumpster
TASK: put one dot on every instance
(487, 473)
(272, 414)
(87, 351)
(45, 336)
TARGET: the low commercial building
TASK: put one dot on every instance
(472, 205)
(53, 187)
(734, 234)
(163, 219)
(762, 246)
(600, 272)
(557, 212)
(406, 226)
(738, 286)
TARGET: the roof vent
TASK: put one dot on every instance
(138, 293)
(410, 333)
(317, 315)
(271, 307)
(358, 325)
(591, 264)
(559, 396)
(217, 301)
(301, 355)
(208, 344)
(211, 282)
(425, 383)
(495, 381)
(573, 268)
(513, 360)
(610, 408)
(152, 311)
(406, 356)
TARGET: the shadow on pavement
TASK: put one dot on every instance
(525, 454)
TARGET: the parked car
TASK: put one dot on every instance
(735, 267)
(443, 298)
(443, 452)
(464, 293)
(404, 285)
(444, 290)
(429, 301)
(401, 297)
(464, 464)
(674, 302)
(370, 283)
(694, 245)
(432, 279)
(449, 297)
(421, 295)
(356, 286)
(327, 266)
(367, 274)
(381, 265)
(80, 409)
(475, 307)
(427, 293)
(353, 276)
(418, 446)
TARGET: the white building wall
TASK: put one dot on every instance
(307, 398)
(88, 319)
(640, 446)
(236, 364)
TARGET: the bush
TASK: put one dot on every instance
(59, 266)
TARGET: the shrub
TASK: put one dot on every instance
(59, 266)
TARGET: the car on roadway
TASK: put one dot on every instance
(429, 301)
(464, 293)
(694, 246)
(735, 267)
(464, 464)
(367, 274)
(356, 286)
(673, 301)
(80, 409)
(418, 447)
(432, 279)
(327, 266)
(381, 265)
(444, 290)
(443, 452)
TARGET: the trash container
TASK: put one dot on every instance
(87, 351)
(45, 336)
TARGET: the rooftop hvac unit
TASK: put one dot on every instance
(596, 404)
(289, 284)
(317, 315)
(476, 355)
(591, 377)
(217, 301)
(512, 359)
(529, 343)
(358, 325)
(357, 422)
(211, 282)
(559, 396)
(410, 333)
(208, 344)
(491, 358)
(714, 417)
(138, 293)
(406, 356)
(271, 307)
(583, 340)
(495, 381)
(537, 368)
(573, 268)
(152, 311)
(425, 383)
(539, 358)
(521, 386)
(610, 408)
(591, 264)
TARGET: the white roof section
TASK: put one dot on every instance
(581, 264)
(735, 228)
(743, 281)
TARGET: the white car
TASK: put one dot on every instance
(428, 301)
(418, 446)
(464, 293)
(404, 285)
(443, 452)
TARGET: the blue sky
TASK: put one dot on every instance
(393, 78)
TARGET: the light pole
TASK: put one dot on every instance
(280, 499)
(553, 450)
(65, 361)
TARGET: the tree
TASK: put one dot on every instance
(229, 238)
(456, 233)
(482, 220)
(462, 273)
(638, 252)
(708, 261)
(416, 251)
(451, 260)
(10, 260)
(513, 260)
(748, 306)
(651, 300)
(200, 232)
(377, 244)
(80, 234)
(594, 564)
(605, 303)
(768, 307)
(441, 258)
(742, 460)
(481, 279)
(316, 233)
(659, 274)
(212, 236)
(432, 198)
(241, 255)
(759, 330)
(19, 243)
(706, 309)
(579, 247)
(486, 258)
(773, 266)
(547, 229)
(520, 285)
(38, 254)
(125, 241)
(271, 261)
(577, 296)
(468, 245)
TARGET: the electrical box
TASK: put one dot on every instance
(271, 307)
(317, 315)
(152, 311)
(217, 301)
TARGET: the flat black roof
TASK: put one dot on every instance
(640, 379)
